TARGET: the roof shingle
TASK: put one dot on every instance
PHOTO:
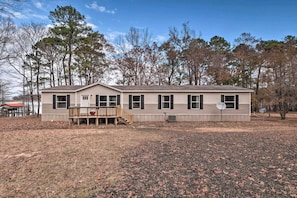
(155, 88)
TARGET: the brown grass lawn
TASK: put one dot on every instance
(212, 159)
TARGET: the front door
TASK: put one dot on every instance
(84, 102)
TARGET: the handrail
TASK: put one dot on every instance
(92, 111)
(115, 111)
(122, 113)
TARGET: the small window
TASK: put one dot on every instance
(165, 102)
(136, 102)
(230, 102)
(112, 101)
(85, 97)
(195, 102)
(102, 101)
(61, 102)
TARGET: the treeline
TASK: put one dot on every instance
(70, 52)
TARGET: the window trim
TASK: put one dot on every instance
(108, 102)
(112, 103)
(199, 101)
(136, 102)
(161, 101)
(132, 102)
(165, 102)
(102, 101)
(56, 102)
(235, 101)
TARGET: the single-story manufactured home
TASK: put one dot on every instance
(146, 103)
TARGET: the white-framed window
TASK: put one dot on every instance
(107, 100)
(231, 101)
(112, 101)
(165, 102)
(102, 101)
(195, 102)
(85, 97)
(61, 102)
(136, 101)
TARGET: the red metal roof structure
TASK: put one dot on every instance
(13, 105)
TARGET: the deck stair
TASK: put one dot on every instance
(123, 121)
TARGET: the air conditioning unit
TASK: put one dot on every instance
(171, 118)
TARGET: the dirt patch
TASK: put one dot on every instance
(210, 159)
(223, 130)
(62, 162)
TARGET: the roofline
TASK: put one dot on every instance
(245, 90)
(95, 84)
(189, 91)
(59, 91)
(79, 89)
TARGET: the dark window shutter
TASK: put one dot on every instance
(171, 101)
(159, 101)
(130, 101)
(201, 101)
(54, 101)
(189, 101)
(142, 101)
(97, 100)
(68, 101)
(118, 99)
(222, 98)
(237, 102)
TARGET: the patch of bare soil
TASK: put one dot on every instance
(199, 159)
(29, 123)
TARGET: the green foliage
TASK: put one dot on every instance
(69, 29)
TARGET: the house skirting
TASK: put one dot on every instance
(158, 117)
(191, 118)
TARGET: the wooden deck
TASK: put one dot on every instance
(98, 115)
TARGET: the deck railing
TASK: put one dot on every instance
(97, 112)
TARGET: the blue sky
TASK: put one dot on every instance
(266, 19)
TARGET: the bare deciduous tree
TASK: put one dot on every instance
(22, 61)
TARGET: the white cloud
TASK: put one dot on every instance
(93, 26)
(48, 26)
(43, 17)
(100, 8)
(111, 36)
(38, 5)
(160, 38)
(19, 15)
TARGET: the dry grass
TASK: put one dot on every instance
(50, 160)
(62, 163)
